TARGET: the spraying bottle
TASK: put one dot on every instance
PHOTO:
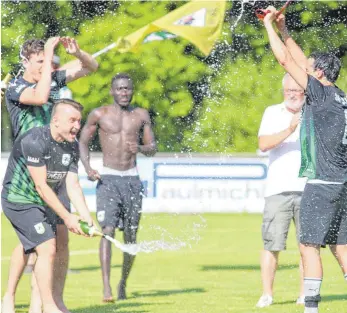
(90, 230)
(93, 231)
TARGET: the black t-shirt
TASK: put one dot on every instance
(323, 133)
(23, 116)
(38, 148)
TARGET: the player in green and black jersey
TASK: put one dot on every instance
(41, 160)
(29, 100)
(323, 212)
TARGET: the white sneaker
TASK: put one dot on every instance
(300, 300)
(264, 301)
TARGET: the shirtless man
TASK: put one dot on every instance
(124, 131)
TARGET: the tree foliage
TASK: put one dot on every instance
(211, 104)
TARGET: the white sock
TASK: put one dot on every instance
(312, 296)
(346, 277)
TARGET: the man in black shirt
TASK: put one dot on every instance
(323, 212)
(29, 100)
(41, 161)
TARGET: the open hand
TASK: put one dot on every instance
(271, 14)
(50, 45)
(295, 122)
(71, 46)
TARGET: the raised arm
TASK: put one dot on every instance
(77, 198)
(294, 49)
(77, 68)
(87, 134)
(39, 95)
(282, 53)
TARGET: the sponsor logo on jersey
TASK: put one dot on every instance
(55, 176)
(66, 159)
(33, 160)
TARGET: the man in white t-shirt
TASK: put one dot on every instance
(279, 134)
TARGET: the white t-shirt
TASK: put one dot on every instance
(285, 159)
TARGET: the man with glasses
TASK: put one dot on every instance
(279, 134)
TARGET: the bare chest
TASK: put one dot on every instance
(128, 123)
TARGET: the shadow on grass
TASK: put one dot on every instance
(326, 298)
(159, 293)
(117, 307)
(89, 268)
(113, 307)
(105, 309)
(243, 267)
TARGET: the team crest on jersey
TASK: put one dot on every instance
(100, 216)
(66, 159)
(40, 229)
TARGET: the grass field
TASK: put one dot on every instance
(218, 273)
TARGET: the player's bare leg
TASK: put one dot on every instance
(340, 253)
(105, 253)
(313, 274)
(301, 298)
(35, 300)
(128, 261)
(61, 265)
(44, 274)
(17, 264)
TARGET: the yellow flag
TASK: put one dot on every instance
(200, 22)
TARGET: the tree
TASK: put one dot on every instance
(249, 78)
(202, 104)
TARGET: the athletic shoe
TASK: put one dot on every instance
(264, 301)
(300, 300)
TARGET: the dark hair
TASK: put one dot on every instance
(120, 76)
(70, 102)
(328, 63)
(32, 46)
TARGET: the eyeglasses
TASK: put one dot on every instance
(296, 91)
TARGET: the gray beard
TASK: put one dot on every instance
(293, 106)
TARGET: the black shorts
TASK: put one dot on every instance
(119, 201)
(33, 223)
(323, 214)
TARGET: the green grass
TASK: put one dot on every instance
(219, 273)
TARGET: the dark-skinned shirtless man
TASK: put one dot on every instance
(119, 192)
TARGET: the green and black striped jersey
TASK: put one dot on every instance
(37, 148)
(323, 133)
(23, 116)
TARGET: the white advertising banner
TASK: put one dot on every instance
(192, 184)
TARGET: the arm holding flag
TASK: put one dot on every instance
(282, 53)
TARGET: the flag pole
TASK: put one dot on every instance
(102, 51)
